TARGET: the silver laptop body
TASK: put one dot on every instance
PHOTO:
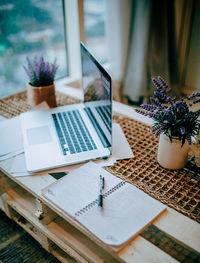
(73, 133)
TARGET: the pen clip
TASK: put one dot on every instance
(101, 182)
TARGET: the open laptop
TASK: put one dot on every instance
(73, 133)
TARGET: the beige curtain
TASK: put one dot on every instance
(118, 28)
(148, 38)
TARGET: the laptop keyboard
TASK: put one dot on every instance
(72, 132)
(105, 114)
(98, 128)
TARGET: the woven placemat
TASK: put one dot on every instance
(13, 105)
(179, 189)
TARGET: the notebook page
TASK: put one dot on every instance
(125, 213)
(79, 188)
(126, 209)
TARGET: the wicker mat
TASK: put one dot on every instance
(179, 189)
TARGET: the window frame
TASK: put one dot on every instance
(72, 43)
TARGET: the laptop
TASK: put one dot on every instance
(73, 133)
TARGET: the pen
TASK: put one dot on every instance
(101, 187)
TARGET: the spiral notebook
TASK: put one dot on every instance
(126, 209)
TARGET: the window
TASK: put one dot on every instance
(49, 28)
(95, 33)
(30, 28)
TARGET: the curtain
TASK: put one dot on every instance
(145, 41)
(118, 24)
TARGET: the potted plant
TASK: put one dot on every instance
(41, 81)
(175, 121)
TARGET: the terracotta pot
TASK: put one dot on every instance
(36, 95)
(170, 154)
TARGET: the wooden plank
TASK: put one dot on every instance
(46, 242)
(71, 240)
(174, 224)
(34, 184)
(43, 179)
(81, 243)
(180, 227)
(44, 213)
(24, 198)
(5, 205)
(5, 183)
(13, 211)
(26, 208)
(35, 206)
(168, 222)
(140, 250)
(37, 229)
(61, 255)
(170, 245)
(67, 250)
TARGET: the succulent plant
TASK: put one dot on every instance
(40, 73)
(172, 117)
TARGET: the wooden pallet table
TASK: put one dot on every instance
(173, 237)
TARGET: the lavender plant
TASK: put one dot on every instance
(172, 117)
(40, 73)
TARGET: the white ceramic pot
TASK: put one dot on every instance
(170, 154)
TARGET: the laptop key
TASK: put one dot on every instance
(72, 132)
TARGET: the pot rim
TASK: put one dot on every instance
(36, 87)
(174, 139)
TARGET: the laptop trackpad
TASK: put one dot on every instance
(38, 135)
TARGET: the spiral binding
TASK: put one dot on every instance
(92, 204)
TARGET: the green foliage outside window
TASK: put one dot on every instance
(29, 28)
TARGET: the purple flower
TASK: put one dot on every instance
(157, 84)
(182, 130)
(148, 113)
(178, 103)
(188, 137)
(155, 128)
(153, 115)
(171, 116)
(160, 95)
(155, 101)
(140, 111)
(158, 132)
(195, 94)
(40, 73)
(189, 115)
(163, 83)
(164, 106)
(149, 107)
(196, 101)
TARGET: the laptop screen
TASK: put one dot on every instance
(96, 83)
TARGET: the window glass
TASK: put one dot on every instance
(94, 21)
(29, 28)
